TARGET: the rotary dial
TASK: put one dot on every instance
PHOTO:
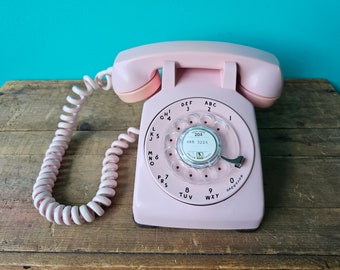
(199, 151)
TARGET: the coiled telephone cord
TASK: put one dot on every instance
(42, 189)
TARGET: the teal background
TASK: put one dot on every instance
(63, 39)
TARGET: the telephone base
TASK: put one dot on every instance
(181, 179)
(242, 211)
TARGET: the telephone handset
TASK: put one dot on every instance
(198, 159)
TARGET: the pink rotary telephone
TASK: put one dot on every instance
(198, 160)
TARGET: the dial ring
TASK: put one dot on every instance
(199, 185)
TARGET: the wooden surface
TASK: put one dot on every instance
(300, 144)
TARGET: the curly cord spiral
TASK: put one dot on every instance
(42, 189)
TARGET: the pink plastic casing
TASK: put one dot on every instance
(135, 76)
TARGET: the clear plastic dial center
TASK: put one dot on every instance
(199, 146)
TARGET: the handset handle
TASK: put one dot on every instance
(135, 75)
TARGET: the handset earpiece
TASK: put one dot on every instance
(135, 76)
(260, 79)
(141, 93)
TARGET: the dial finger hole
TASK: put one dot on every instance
(180, 125)
(171, 139)
(221, 167)
(207, 119)
(193, 174)
(177, 166)
(220, 126)
(193, 119)
(211, 173)
(170, 153)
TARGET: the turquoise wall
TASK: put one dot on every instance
(63, 39)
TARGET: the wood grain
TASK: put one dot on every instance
(300, 146)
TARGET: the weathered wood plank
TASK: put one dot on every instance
(300, 231)
(300, 142)
(302, 182)
(303, 104)
(36, 105)
(78, 261)
(43, 101)
(82, 143)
